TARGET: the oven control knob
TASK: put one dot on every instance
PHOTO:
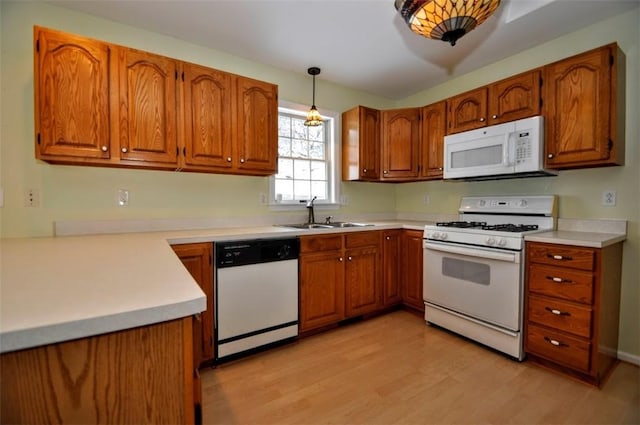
(502, 242)
(491, 241)
(436, 235)
(523, 203)
(443, 236)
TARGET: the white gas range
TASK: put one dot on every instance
(474, 268)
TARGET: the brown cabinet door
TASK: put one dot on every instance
(467, 111)
(72, 109)
(362, 281)
(515, 98)
(361, 144)
(433, 131)
(577, 95)
(391, 254)
(207, 120)
(197, 259)
(321, 289)
(257, 127)
(147, 108)
(412, 269)
(400, 144)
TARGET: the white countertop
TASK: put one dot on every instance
(579, 232)
(61, 288)
(567, 237)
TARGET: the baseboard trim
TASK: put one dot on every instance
(629, 358)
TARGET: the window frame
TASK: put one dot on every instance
(333, 151)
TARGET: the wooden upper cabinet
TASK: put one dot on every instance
(361, 144)
(207, 120)
(515, 98)
(400, 143)
(506, 100)
(147, 96)
(467, 111)
(584, 96)
(433, 131)
(71, 87)
(257, 127)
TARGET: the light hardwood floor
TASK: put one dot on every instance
(396, 370)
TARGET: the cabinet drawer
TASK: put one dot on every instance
(357, 239)
(562, 283)
(560, 315)
(558, 347)
(559, 255)
(320, 243)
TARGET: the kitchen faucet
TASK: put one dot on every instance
(312, 217)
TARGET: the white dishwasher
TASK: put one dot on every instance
(256, 294)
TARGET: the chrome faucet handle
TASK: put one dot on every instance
(310, 203)
(327, 220)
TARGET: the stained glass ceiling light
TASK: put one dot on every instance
(445, 20)
(313, 116)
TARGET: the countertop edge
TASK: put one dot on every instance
(577, 238)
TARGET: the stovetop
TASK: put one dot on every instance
(501, 227)
(496, 221)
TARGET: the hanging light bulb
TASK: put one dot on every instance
(445, 20)
(313, 116)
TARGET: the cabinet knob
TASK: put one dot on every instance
(340, 259)
(440, 169)
(387, 238)
(494, 116)
(228, 159)
(104, 149)
(384, 172)
(482, 119)
(555, 342)
(550, 156)
(124, 150)
(364, 171)
(242, 160)
(349, 258)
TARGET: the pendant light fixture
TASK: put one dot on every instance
(313, 116)
(445, 20)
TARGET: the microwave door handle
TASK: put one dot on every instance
(510, 152)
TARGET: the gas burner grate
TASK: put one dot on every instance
(462, 224)
(516, 228)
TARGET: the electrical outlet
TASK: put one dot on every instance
(609, 198)
(32, 198)
(427, 199)
(263, 198)
(123, 197)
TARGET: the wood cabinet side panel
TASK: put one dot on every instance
(132, 376)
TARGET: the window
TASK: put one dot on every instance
(307, 158)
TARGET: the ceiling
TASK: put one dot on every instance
(362, 44)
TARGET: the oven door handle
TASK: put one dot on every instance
(510, 257)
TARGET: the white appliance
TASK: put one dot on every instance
(256, 302)
(513, 149)
(473, 273)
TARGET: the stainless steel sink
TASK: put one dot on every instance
(333, 225)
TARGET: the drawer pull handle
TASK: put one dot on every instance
(555, 343)
(557, 312)
(558, 279)
(559, 257)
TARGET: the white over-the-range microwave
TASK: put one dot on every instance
(509, 150)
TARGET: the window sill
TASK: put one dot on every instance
(302, 207)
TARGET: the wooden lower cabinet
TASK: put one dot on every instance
(340, 277)
(412, 269)
(572, 308)
(391, 267)
(197, 259)
(143, 375)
